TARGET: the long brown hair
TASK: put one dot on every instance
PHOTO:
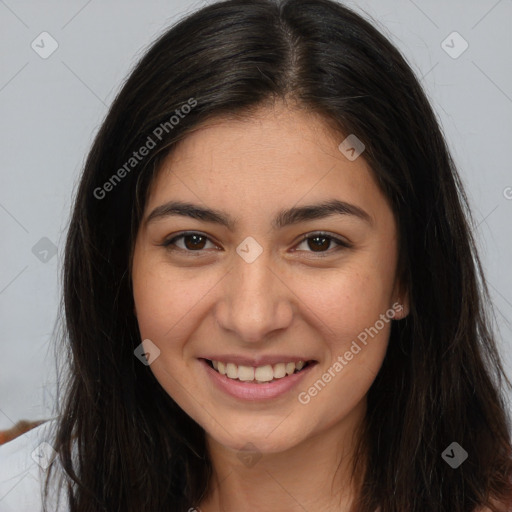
(442, 379)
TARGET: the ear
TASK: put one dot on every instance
(401, 304)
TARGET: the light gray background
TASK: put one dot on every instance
(51, 108)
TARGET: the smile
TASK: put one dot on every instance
(256, 383)
(259, 374)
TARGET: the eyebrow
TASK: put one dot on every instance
(283, 218)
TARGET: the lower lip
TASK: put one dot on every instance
(253, 391)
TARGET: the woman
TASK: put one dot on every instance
(272, 295)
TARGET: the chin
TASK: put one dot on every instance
(264, 439)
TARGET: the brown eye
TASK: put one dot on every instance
(190, 242)
(321, 243)
(194, 241)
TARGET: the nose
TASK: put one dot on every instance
(255, 301)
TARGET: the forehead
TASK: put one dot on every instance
(275, 133)
(276, 156)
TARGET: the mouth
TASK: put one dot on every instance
(266, 374)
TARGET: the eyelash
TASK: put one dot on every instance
(341, 244)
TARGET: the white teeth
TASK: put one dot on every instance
(232, 370)
(245, 373)
(265, 373)
(279, 370)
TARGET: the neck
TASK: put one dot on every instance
(313, 475)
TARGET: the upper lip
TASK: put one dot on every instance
(258, 361)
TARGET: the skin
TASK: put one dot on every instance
(290, 300)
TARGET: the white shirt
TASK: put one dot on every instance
(23, 463)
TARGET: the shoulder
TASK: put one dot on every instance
(23, 465)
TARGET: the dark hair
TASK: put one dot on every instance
(441, 380)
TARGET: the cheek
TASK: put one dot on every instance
(166, 299)
(354, 328)
(350, 310)
(344, 302)
(164, 302)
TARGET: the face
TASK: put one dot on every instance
(250, 271)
